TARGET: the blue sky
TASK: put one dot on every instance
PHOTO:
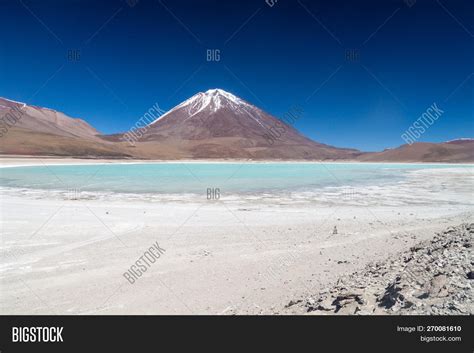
(291, 53)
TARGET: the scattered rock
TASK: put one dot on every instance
(326, 305)
(432, 277)
(293, 302)
(392, 295)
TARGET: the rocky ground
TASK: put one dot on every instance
(434, 277)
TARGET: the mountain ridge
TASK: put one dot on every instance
(210, 124)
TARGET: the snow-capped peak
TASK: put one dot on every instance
(216, 98)
(216, 93)
(213, 100)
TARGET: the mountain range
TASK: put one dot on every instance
(210, 125)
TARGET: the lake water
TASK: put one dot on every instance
(245, 179)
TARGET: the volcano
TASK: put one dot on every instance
(218, 124)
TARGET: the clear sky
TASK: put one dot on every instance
(363, 71)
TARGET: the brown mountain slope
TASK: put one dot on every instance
(456, 151)
(20, 141)
(48, 120)
(30, 130)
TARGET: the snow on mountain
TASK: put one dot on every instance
(16, 102)
(212, 100)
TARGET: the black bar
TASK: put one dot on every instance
(244, 333)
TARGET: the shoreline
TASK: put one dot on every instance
(33, 161)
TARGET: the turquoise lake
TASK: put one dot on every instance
(181, 178)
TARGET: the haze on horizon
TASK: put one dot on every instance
(363, 72)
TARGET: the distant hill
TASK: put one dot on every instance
(30, 130)
(455, 151)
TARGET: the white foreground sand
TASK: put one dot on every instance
(222, 257)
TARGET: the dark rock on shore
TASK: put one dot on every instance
(434, 277)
